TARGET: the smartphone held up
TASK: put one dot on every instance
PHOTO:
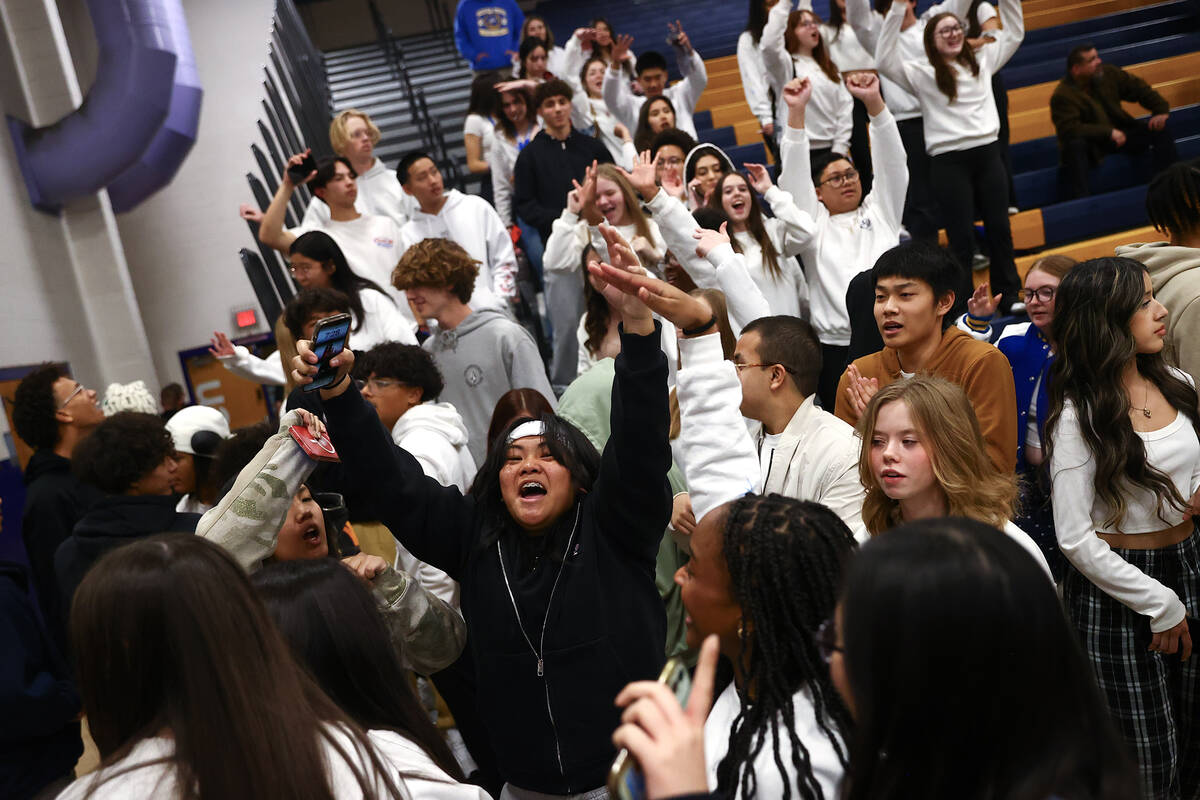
(331, 336)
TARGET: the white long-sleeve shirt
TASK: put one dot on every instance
(866, 24)
(830, 110)
(1173, 449)
(846, 244)
(845, 51)
(754, 79)
(379, 193)
(502, 158)
(625, 105)
(971, 120)
(723, 268)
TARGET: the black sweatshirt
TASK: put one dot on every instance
(544, 171)
(605, 624)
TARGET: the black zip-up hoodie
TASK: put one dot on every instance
(598, 624)
(543, 173)
(115, 520)
(39, 738)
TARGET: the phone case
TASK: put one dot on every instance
(625, 780)
(317, 449)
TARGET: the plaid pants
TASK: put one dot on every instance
(1154, 698)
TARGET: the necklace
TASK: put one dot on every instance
(1145, 407)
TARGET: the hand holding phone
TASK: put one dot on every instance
(298, 171)
(660, 734)
(331, 336)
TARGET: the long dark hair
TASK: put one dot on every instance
(336, 632)
(604, 52)
(820, 53)
(754, 224)
(643, 136)
(170, 636)
(503, 122)
(756, 19)
(483, 100)
(1009, 711)
(1092, 311)
(596, 313)
(528, 45)
(320, 246)
(945, 77)
(785, 559)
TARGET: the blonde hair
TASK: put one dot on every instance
(633, 206)
(339, 138)
(950, 433)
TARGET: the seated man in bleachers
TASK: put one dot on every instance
(652, 77)
(1091, 123)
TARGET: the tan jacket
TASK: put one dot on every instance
(978, 367)
(1175, 276)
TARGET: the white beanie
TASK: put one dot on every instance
(128, 397)
(186, 423)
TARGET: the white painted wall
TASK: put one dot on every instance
(118, 297)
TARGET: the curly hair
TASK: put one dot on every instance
(34, 407)
(1173, 200)
(785, 559)
(944, 75)
(949, 432)
(1092, 312)
(123, 449)
(438, 263)
(407, 363)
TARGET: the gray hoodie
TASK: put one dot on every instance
(485, 356)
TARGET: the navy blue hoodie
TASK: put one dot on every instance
(490, 27)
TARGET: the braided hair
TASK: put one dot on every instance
(1173, 200)
(785, 559)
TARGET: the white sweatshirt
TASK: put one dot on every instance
(789, 232)
(723, 269)
(625, 105)
(846, 244)
(436, 436)
(971, 120)
(830, 110)
(476, 227)
(826, 766)
(372, 245)
(1026, 541)
(379, 193)
(866, 24)
(423, 778)
(754, 79)
(1078, 513)
(845, 51)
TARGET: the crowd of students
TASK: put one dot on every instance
(638, 402)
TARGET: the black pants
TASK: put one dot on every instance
(920, 213)
(833, 364)
(1077, 160)
(860, 146)
(968, 181)
(1001, 95)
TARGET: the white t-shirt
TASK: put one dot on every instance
(766, 452)
(484, 128)
(379, 193)
(371, 245)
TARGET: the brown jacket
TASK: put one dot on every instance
(1093, 111)
(978, 367)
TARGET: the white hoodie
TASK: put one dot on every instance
(435, 435)
(475, 226)
(379, 193)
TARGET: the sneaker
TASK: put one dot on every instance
(980, 262)
(1013, 210)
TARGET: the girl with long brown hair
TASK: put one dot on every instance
(792, 47)
(923, 457)
(962, 127)
(1121, 442)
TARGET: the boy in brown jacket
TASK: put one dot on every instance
(914, 290)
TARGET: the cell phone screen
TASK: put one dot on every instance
(330, 336)
(625, 780)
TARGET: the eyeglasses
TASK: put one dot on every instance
(1043, 294)
(953, 30)
(376, 384)
(839, 180)
(811, 23)
(741, 367)
(78, 388)
(671, 162)
(826, 640)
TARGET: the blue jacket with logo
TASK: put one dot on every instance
(488, 27)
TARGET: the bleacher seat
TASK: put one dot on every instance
(747, 154)
(724, 138)
(1053, 69)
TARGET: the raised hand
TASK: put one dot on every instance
(249, 212)
(797, 92)
(672, 182)
(304, 367)
(297, 160)
(587, 195)
(683, 310)
(865, 87)
(364, 565)
(667, 740)
(642, 178)
(679, 38)
(516, 84)
(760, 179)
(620, 49)
(860, 390)
(219, 345)
(574, 203)
(635, 316)
(708, 240)
(983, 304)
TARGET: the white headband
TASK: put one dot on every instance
(531, 427)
